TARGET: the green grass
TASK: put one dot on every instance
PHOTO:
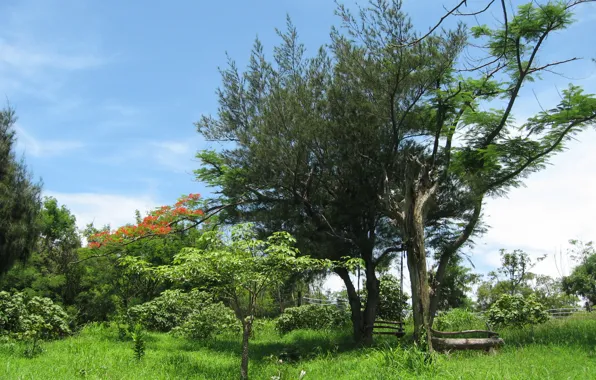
(556, 350)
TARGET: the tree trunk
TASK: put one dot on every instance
(372, 303)
(420, 292)
(438, 283)
(355, 304)
(449, 251)
(246, 331)
(413, 228)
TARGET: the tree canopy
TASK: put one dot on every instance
(20, 199)
(385, 128)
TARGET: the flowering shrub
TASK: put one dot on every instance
(158, 222)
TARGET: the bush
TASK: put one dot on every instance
(314, 317)
(37, 318)
(459, 320)
(392, 302)
(171, 309)
(209, 320)
(517, 311)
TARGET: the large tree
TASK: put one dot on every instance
(20, 199)
(387, 128)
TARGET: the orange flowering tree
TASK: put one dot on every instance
(187, 213)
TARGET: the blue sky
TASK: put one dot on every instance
(107, 92)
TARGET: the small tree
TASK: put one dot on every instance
(240, 268)
(582, 280)
(513, 278)
(515, 267)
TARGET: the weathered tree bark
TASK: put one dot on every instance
(418, 193)
(466, 343)
(246, 331)
(416, 258)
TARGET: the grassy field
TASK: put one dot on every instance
(556, 350)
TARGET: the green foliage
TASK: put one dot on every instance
(239, 269)
(207, 321)
(334, 145)
(550, 292)
(31, 319)
(408, 359)
(314, 317)
(171, 309)
(20, 200)
(51, 271)
(456, 284)
(582, 280)
(393, 304)
(516, 311)
(558, 349)
(138, 338)
(459, 320)
(514, 277)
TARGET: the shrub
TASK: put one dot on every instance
(517, 311)
(209, 320)
(138, 338)
(459, 320)
(37, 318)
(392, 302)
(315, 317)
(171, 309)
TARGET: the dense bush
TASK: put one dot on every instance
(459, 320)
(171, 309)
(207, 321)
(315, 317)
(36, 318)
(193, 314)
(393, 304)
(517, 311)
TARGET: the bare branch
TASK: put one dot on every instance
(553, 64)
(453, 11)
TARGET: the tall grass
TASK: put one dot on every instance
(559, 349)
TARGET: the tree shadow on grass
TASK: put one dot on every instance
(185, 365)
(297, 346)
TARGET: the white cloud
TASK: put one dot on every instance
(173, 147)
(176, 155)
(102, 209)
(556, 205)
(44, 148)
(35, 58)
